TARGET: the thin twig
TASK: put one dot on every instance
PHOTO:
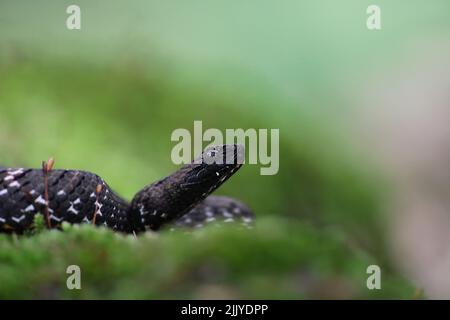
(46, 168)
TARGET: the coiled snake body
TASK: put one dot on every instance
(180, 200)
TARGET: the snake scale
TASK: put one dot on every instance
(182, 199)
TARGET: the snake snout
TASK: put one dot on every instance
(227, 154)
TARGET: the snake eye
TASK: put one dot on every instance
(211, 153)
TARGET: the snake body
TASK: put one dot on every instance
(182, 199)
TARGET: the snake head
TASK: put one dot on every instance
(215, 165)
(173, 196)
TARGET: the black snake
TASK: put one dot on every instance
(182, 199)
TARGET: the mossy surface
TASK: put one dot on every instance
(276, 259)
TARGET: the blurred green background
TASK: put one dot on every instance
(107, 97)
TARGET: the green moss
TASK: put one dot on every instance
(276, 259)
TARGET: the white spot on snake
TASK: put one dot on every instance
(8, 178)
(228, 220)
(14, 173)
(29, 208)
(247, 219)
(40, 200)
(61, 193)
(210, 219)
(77, 201)
(209, 213)
(226, 214)
(163, 215)
(217, 174)
(14, 184)
(3, 192)
(141, 210)
(72, 209)
(2, 220)
(98, 204)
(92, 195)
(18, 219)
(98, 210)
(55, 218)
(86, 220)
(187, 220)
(32, 192)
